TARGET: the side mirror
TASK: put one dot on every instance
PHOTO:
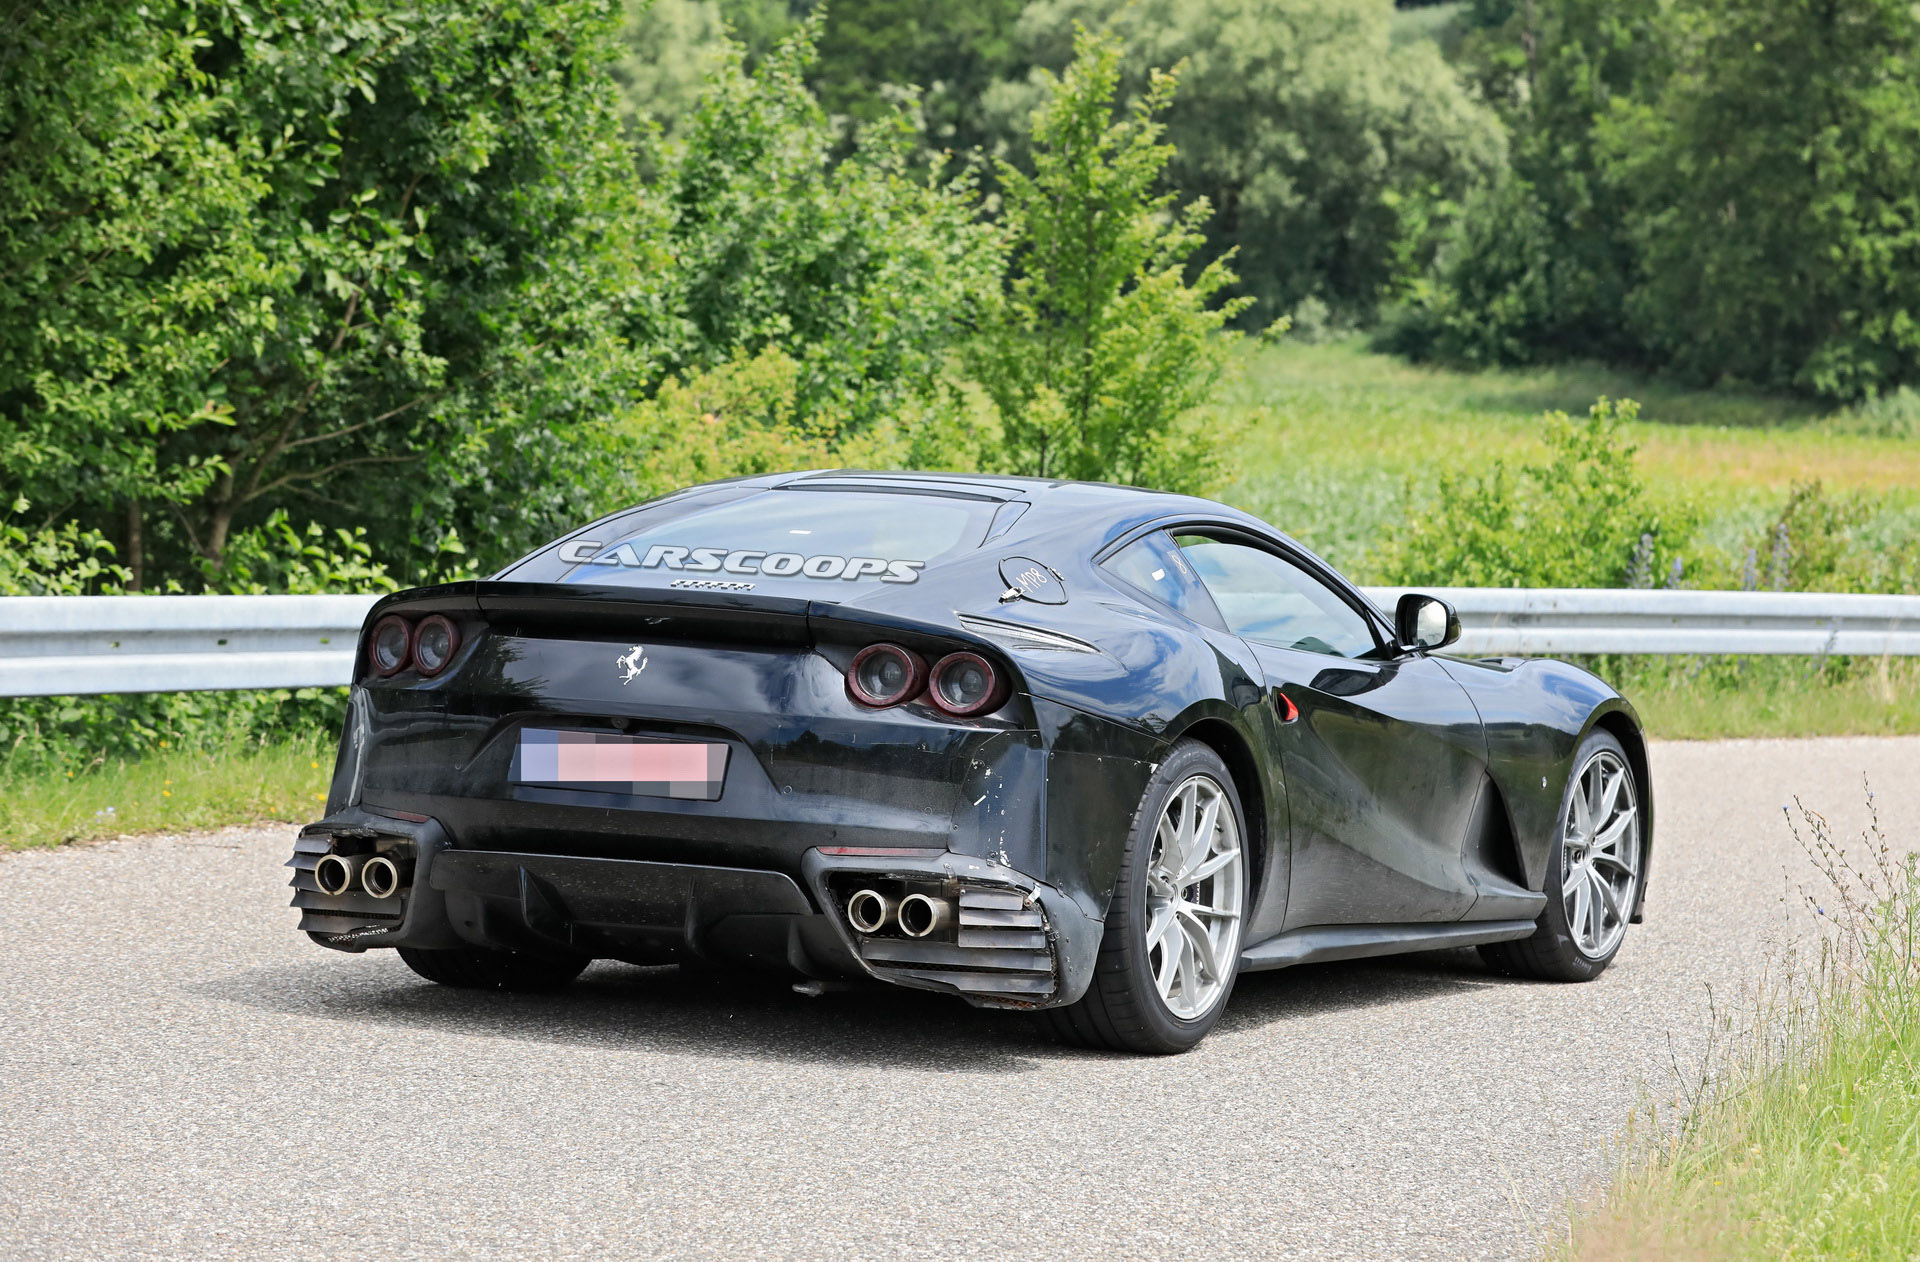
(1421, 623)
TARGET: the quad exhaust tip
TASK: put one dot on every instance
(380, 877)
(334, 874)
(921, 916)
(869, 910)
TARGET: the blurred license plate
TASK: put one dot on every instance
(620, 764)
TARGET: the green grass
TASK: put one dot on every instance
(1804, 1136)
(164, 790)
(1342, 442)
(1691, 698)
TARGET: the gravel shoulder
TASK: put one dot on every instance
(181, 1074)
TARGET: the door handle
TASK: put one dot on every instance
(1284, 707)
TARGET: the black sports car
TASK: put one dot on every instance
(1084, 749)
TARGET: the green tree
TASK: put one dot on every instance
(352, 257)
(1713, 188)
(1333, 157)
(861, 270)
(669, 47)
(1100, 350)
(1539, 266)
(951, 51)
(1775, 188)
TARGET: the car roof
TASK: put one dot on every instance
(1110, 503)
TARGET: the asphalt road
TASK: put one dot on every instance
(182, 1075)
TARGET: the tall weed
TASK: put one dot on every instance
(1803, 1136)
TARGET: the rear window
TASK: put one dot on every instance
(796, 542)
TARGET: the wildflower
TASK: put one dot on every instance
(166, 793)
(316, 766)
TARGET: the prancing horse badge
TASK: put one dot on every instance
(632, 663)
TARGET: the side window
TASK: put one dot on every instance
(1267, 598)
(1155, 566)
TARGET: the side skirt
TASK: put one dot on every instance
(1318, 943)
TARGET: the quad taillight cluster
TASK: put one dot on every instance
(427, 645)
(961, 684)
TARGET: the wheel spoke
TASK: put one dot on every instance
(1616, 829)
(1189, 984)
(1169, 961)
(1180, 815)
(1582, 821)
(1168, 835)
(1201, 944)
(1581, 898)
(1208, 868)
(1201, 909)
(1202, 837)
(1157, 927)
(1609, 900)
(1624, 866)
(1610, 793)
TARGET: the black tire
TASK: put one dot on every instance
(474, 968)
(1122, 1010)
(1551, 954)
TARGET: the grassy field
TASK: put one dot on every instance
(163, 791)
(1804, 1140)
(1341, 441)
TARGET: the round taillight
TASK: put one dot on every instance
(885, 674)
(965, 684)
(434, 642)
(390, 645)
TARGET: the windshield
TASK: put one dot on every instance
(795, 542)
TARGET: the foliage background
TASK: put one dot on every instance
(346, 294)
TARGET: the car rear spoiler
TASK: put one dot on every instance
(694, 613)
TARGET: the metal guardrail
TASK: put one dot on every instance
(54, 646)
(80, 645)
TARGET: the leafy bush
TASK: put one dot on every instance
(748, 416)
(859, 272)
(1100, 351)
(1506, 289)
(254, 254)
(1580, 518)
(54, 560)
(1819, 542)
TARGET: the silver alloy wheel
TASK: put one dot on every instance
(1193, 898)
(1600, 855)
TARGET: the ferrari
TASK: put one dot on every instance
(1085, 750)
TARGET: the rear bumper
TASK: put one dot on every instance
(1013, 941)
